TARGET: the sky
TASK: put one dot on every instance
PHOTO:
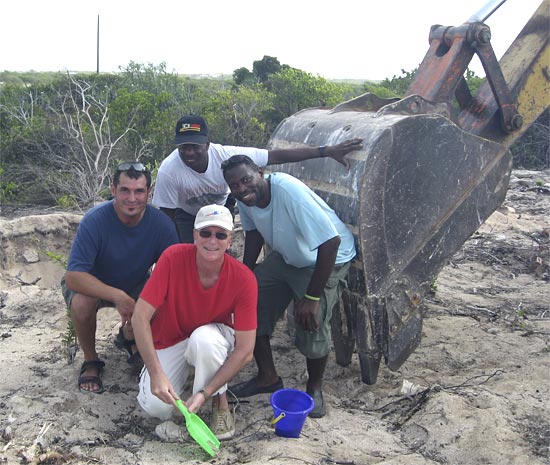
(342, 39)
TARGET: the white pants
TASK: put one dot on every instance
(206, 349)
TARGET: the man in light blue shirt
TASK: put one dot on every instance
(311, 254)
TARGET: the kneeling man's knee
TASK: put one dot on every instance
(155, 407)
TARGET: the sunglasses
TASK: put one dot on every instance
(140, 167)
(205, 233)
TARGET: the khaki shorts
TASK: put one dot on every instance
(68, 295)
(279, 284)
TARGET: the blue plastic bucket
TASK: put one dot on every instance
(290, 410)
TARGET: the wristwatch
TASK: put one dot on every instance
(322, 150)
(203, 392)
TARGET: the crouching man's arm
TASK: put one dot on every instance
(141, 322)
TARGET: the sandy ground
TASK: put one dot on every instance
(481, 373)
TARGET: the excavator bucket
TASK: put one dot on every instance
(416, 191)
(428, 175)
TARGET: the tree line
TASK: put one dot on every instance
(61, 134)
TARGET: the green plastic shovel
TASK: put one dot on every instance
(198, 430)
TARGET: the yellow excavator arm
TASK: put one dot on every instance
(428, 176)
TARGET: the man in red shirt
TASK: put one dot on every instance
(197, 309)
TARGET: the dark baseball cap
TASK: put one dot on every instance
(191, 129)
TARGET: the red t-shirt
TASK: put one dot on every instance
(182, 303)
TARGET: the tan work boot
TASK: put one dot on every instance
(223, 424)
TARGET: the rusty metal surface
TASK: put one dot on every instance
(440, 76)
(526, 69)
(506, 104)
(445, 62)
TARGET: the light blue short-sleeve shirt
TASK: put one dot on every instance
(296, 222)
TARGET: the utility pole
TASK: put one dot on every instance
(97, 68)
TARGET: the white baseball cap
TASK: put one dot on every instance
(214, 215)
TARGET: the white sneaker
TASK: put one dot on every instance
(169, 431)
(223, 424)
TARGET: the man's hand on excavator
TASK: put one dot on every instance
(340, 151)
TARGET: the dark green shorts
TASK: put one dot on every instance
(279, 284)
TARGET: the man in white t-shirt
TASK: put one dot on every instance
(191, 176)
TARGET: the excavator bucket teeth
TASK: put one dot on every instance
(416, 191)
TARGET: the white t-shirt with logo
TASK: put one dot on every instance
(178, 186)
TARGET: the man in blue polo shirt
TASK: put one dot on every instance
(115, 246)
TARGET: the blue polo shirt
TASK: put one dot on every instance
(116, 254)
